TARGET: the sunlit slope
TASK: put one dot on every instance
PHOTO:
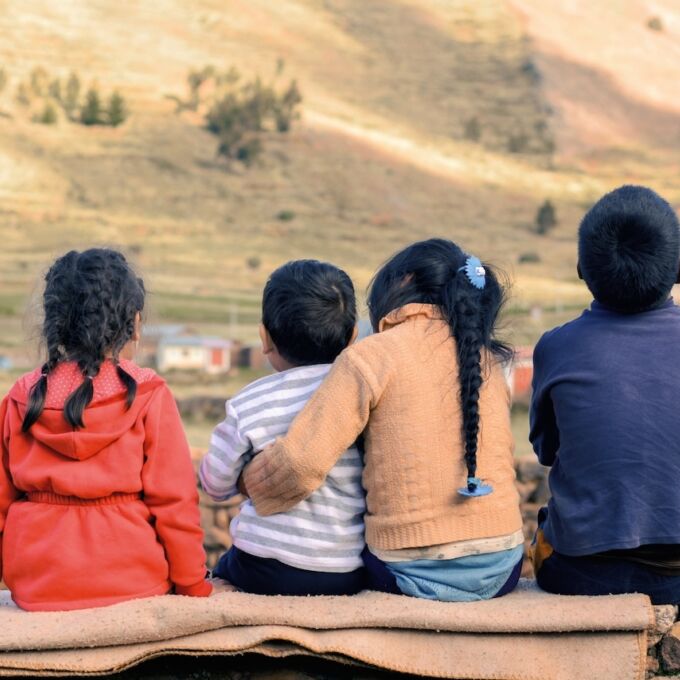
(379, 158)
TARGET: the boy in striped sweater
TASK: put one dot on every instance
(308, 318)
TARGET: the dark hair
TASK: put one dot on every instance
(430, 272)
(309, 310)
(90, 303)
(629, 249)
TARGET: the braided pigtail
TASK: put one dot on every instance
(129, 382)
(469, 342)
(92, 300)
(438, 272)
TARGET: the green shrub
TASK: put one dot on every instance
(117, 111)
(91, 112)
(546, 218)
(48, 116)
(71, 100)
(240, 113)
(285, 215)
(254, 262)
(518, 143)
(530, 257)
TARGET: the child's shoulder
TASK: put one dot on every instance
(294, 380)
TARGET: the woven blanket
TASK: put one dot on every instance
(527, 635)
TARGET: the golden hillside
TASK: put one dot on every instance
(379, 158)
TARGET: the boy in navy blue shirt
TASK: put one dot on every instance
(605, 412)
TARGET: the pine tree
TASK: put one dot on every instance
(91, 113)
(117, 111)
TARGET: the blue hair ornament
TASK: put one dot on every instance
(475, 487)
(474, 271)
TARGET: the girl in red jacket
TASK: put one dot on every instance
(98, 502)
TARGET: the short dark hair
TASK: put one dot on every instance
(629, 249)
(309, 310)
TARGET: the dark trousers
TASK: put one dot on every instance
(265, 576)
(566, 575)
(382, 579)
(593, 575)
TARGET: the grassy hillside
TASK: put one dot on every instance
(380, 157)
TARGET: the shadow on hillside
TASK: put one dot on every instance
(593, 111)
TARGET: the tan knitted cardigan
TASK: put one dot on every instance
(400, 387)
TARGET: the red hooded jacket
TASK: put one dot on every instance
(98, 515)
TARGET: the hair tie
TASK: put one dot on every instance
(474, 271)
(475, 487)
(89, 377)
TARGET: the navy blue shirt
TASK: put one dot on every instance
(605, 414)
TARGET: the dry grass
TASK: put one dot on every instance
(378, 160)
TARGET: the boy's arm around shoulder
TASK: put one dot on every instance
(228, 453)
(171, 495)
(8, 492)
(289, 470)
(543, 434)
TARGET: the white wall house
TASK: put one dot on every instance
(194, 353)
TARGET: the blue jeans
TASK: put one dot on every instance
(460, 579)
(265, 576)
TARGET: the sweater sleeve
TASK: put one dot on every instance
(171, 495)
(289, 470)
(543, 435)
(8, 492)
(229, 451)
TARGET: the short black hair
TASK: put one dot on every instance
(629, 249)
(309, 310)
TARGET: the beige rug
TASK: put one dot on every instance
(527, 635)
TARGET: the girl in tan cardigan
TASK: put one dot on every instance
(428, 393)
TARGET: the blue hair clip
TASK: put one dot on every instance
(474, 271)
(478, 488)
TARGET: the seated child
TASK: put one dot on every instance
(428, 393)
(605, 411)
(98, 499)
(308, 318)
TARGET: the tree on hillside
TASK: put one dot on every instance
(91, 112)
(241, 113)
(54, 90)
(546, 218)
(39, 81)
(72, 95)
(117, 111)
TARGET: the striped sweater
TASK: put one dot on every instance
(324, 532)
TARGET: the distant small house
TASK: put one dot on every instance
(519, 374)
(152, 334)
(193, 353)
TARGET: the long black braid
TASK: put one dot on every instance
(432, 272)
(90, 302)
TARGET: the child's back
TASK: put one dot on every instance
(605, 417)
(308, 318)
(98, 501)
(324, 532)
(604, 410)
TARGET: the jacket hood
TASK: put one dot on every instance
(106, 418)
